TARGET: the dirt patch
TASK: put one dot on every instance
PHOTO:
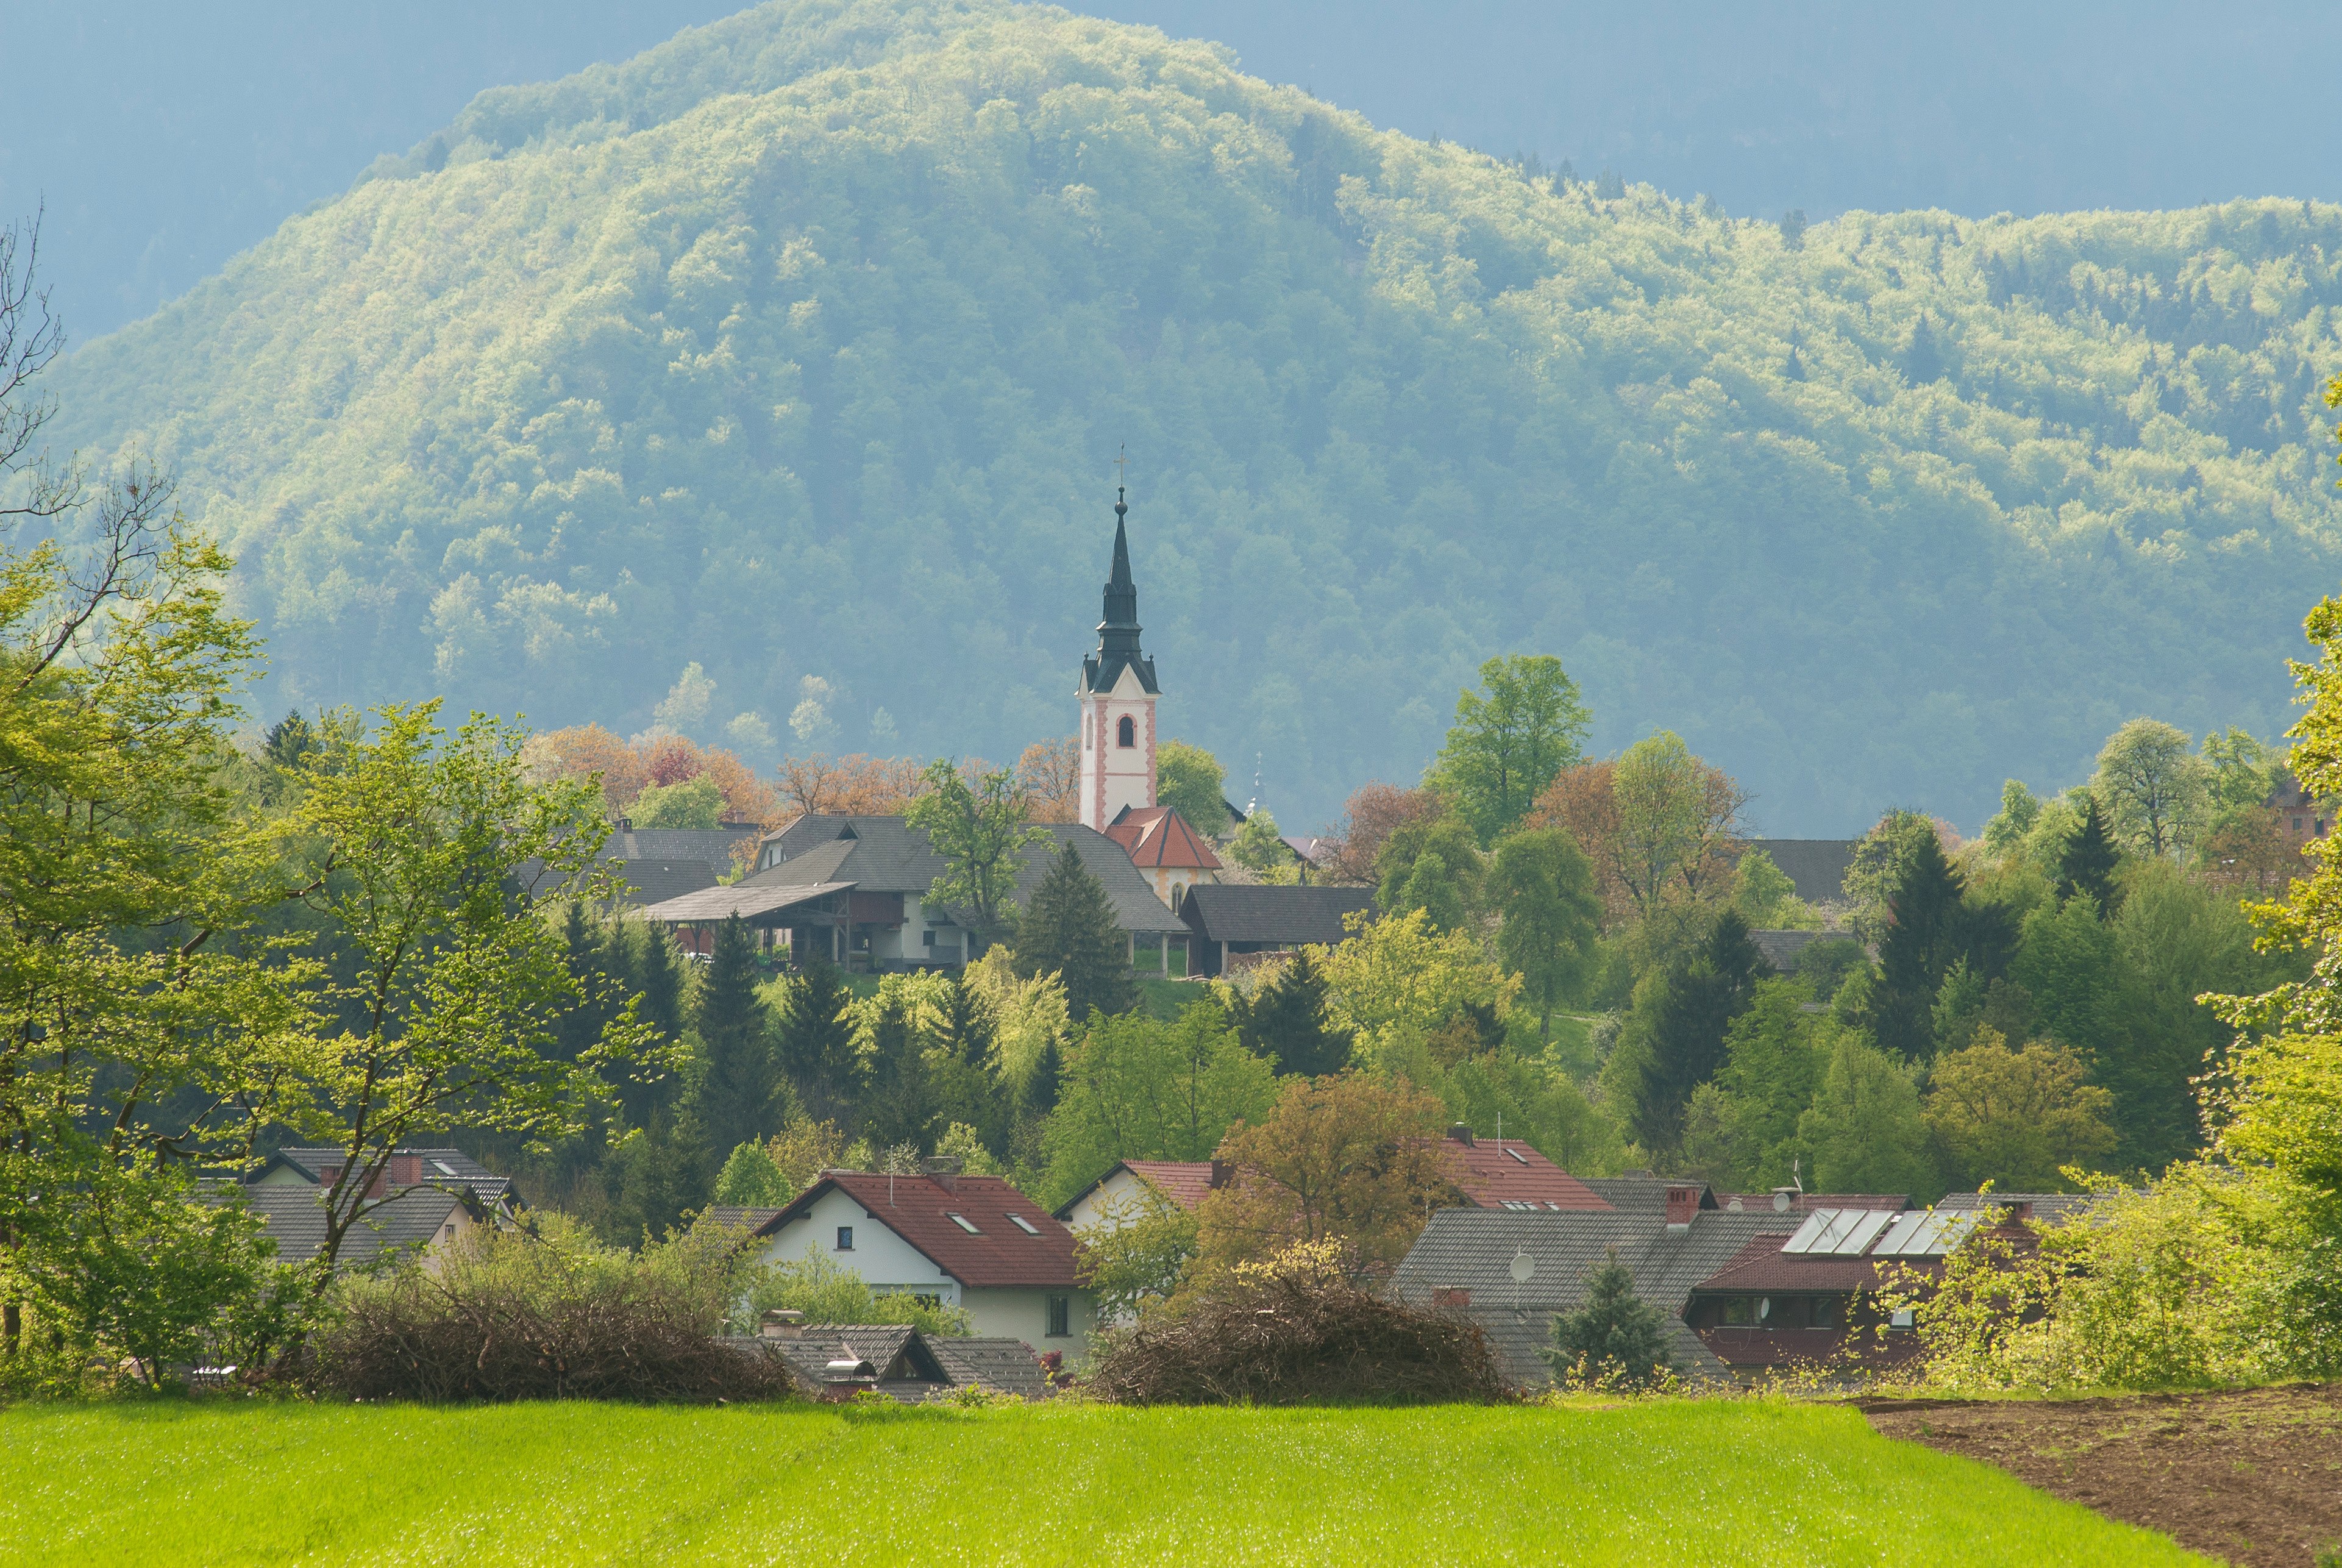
(2254, 1476)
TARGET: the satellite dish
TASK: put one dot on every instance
(1524, 1266)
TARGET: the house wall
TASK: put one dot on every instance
(1024, 1314)
(883, 1260)
(1112, 776)
(1121, 1188)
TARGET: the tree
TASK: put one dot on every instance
(1372, 814)
(1793, 229)
(2017, 1116)
(2086, 863)
(1865, 1128)
(1397, 980)
(456, 986)
(696, 802)
(1433, 864)
(1675, 821)
(1542, 890)
(2250, 854)
(856, 786)
(1774, 1055)
(893, 1032)
(2245, 769)
(1347, 1159)
(1138, 1089)
(738, 1090)
(1614, 1338)
(1290, 1019)
(1259, 848)
(1071, 931)
(813, 1040)
(1050, 774)
(2070, 965)
(1878, 866)
(2155, 788)
(2020, 808)
(1766, 897)
(1927, 930)
(981, 832)
(1191, 781)
(751, 1179)
(1673, 1040)
(1136, 1252)
(1509, 738)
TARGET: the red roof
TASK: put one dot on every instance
(1498, 1173)
(920, 1210)
(1761, 1267)
(1159, 836)
(1184, 1181)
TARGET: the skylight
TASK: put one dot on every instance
(1022, 1224)
(963, 1222)
(443, 1168)
(1517, 1155)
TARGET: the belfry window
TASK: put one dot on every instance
(1125, 731)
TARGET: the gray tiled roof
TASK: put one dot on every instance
(440, 1168)
(1818, 867)
(655, 881)
(712, 845)
(735, 1214)
(1271, 912)
(2047, 1206)
(887, 855)
(1006, 1365)
(297, 1222)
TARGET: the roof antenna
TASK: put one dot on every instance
(1253, 805)
(1795, 1179)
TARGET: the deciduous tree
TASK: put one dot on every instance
(1137, 1089)
(1191, 781)
(2155, 788)
(1522, 727)
(2017, 1116)
(981, 831)
(1541, 888)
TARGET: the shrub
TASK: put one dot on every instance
(827, 1293)
(502, 1315)
(1616, 1340)
(1294, 1329)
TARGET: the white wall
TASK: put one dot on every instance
(1113, 775)
(1122, 1188)
(1024, 1314)
(883, 1260)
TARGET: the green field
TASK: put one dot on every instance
(1704, 1483)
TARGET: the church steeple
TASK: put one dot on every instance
(1117, 648)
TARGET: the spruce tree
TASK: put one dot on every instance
(737, 1088)
(1289, 1020)
(1679, 1023)
(813, 1041)
(1070, 931)
(1925, 935)
(1616, 1338)
(653, 967)
(963, 1079)
(585, 950)
(2087, 862)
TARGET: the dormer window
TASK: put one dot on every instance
(1125, 731)
(965, 1223)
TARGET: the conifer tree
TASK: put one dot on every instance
(814, 1040)
(2086, 863)
(737, 1092)
(963, 1067)
(1926, 933)
(654, 966)
(1675, 1035)
(1071, 931)
(1616, 1337)
(1289, 1020)
(585, 945)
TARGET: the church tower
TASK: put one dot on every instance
(1118, 697)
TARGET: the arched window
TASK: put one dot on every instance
(1126, 732)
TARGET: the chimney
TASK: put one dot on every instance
(842, 1380)
(1223, 1172)
(1460, 1133)
(626, 824)
(406, 1169)
(943, 1169)
(1451, 1296)
(781, 1324)
(1681, 1203)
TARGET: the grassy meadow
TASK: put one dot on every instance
(1665, 1483)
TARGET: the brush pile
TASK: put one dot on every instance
(1296, 1329)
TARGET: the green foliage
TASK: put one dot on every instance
(1259, 848)
(1071, 932)
(750, 1179)
(766, 263)
(1541, 888)
(2245, 770)
(1191, 781)
(2088, 859)
(736, 1089)
(826, 1292)
(1614, 1338)
(1509, 740)
(2070, 966)
(2020, 808)
(1865, 1128)
(1775, 1057)
(1929, 929)
(1135, 1253)
(1135, 1088)
(1674, 1038)
(696, 802)
(2156, 791)
(981, 832)
(2018, 1117)
(1433, 864)
(1290, 1019)
(813, 1038)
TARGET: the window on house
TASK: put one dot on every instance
(1518, 1158)
(1022, 1224)
(965, 1223)
(1902, 1319)
(1826, 1312)
(1126, 733)
(2296, 824)
(846, 1237)
(1061, 1317)
(1737, 1310)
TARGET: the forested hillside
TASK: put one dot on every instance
(800, 346)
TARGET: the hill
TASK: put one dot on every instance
(799, 345)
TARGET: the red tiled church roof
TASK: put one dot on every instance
(920, 1208)
(1159, 836)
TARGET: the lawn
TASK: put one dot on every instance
(1690, 1482)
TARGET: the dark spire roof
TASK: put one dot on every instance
(1119, 630)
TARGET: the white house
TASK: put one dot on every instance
(969, 1241)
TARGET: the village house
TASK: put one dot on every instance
(1229, 925)
(1171, 855)
(422, 1200)
(833, 1362)
(973, 1242)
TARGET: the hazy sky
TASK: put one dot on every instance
(165, 138)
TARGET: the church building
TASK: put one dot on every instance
(1118, 697)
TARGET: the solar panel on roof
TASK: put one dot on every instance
(1859, 1236)
(1900, 1234)
(1810, 1231)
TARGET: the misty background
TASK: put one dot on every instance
(166, 138)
